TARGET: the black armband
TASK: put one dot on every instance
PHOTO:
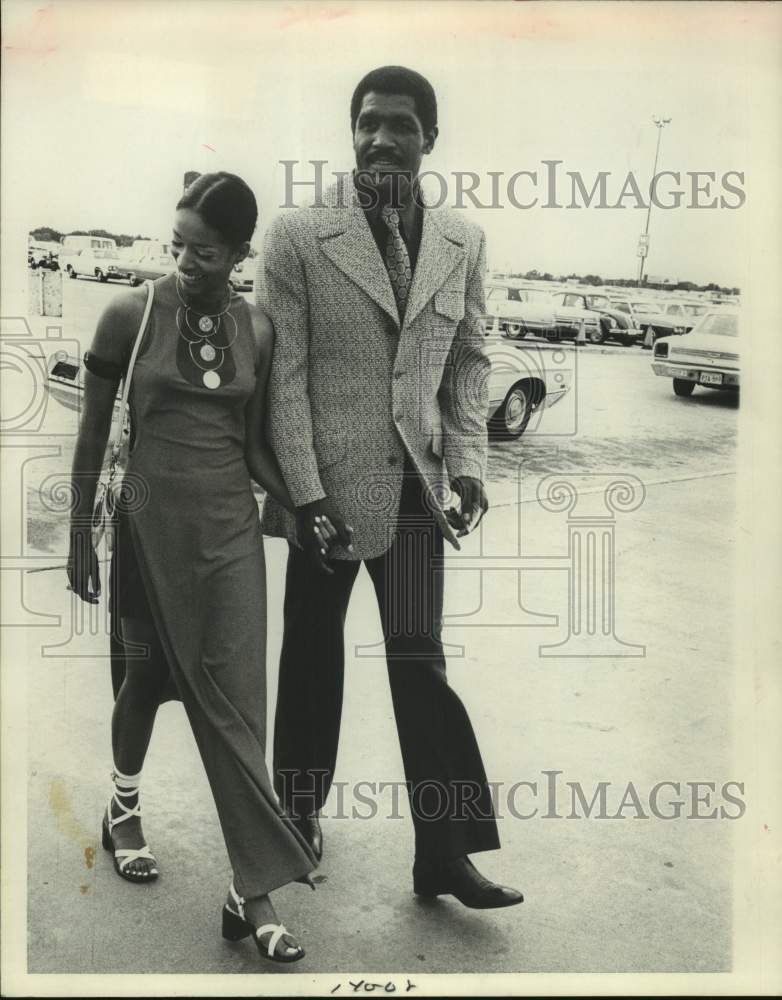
(102, 368)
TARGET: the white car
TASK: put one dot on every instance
(571, 312)
(707, 356)
(150, 265)
(94, 263)
(519, 311)
(520, 385)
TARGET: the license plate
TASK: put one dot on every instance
(711, 378)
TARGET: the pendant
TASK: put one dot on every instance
(208, 353)
(205, 324)
(211, 380)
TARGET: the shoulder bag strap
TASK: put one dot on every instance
(123, 406)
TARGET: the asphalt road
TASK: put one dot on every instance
(653, 704)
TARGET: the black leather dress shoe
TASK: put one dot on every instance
(460, 878)
(309, 828)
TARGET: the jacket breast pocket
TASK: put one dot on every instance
(450, 303)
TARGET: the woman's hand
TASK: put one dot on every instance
(83, 570)
(326, 534)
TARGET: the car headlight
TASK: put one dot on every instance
(611, 323)
(661, 350)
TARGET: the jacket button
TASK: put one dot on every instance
(393, 460)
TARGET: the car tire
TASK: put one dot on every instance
(596, 335)
(71, 272)
(683, 387)
(133, 281)
(626, 341)
(512, 416)
(515, 331)
(100, 275)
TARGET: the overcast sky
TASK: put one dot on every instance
(106, 105)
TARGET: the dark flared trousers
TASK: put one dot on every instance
(449, 795)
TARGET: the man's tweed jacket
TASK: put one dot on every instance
(349, 391)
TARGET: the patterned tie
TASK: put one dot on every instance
(397, 259)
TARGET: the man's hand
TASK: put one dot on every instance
(319, 527)
(474, 504)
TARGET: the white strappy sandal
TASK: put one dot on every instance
(123, 856)
(236, 926)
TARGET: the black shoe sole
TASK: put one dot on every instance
(426, 892)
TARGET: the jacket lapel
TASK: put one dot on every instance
(439, 253)
(346, 239)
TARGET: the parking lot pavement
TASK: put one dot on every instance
(590, 884)
(601, 895)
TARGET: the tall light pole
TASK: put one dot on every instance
(643, 242)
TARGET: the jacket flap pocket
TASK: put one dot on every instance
(450, 303)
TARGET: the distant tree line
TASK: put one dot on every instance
(49, 235)
(595, 279)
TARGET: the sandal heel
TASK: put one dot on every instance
(234, 928)
(105, 838)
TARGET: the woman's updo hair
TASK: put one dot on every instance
(226, 203)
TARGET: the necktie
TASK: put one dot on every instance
(397, 259)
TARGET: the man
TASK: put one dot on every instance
(378, 386)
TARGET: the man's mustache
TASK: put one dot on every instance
(384, 158)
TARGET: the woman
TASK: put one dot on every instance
(188, 573)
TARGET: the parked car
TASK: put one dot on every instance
(519, 386)
(619, 325)
(150, 266)
(687, 312)
(38, 257)
(571, 311)
(658, 319)
(708, 356)
(100, 264)
(518, 311)
(65, 380)
(242, 277)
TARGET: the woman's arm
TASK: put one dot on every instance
(261, 460)
(112, 343)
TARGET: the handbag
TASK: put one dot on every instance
(109, 490)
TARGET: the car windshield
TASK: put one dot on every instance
(694, 310)
(503, 293)
(722, 324)
(598, 301)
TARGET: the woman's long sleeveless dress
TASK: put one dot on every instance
(197, 544)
